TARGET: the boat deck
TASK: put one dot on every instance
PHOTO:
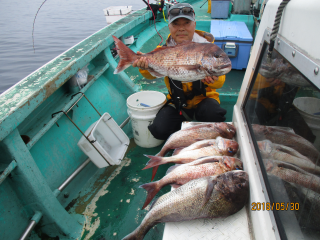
(112, 207)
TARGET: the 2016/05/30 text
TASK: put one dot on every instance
(278, 206)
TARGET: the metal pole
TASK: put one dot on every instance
(124, 122)
(79, 169)
(73, 175)
(7, 171)
(35, 219)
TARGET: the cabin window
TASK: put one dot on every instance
(282, 109)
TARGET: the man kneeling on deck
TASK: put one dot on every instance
(187, 100)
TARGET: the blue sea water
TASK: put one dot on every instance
(60, 24)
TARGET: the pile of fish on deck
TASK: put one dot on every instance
(295, 160)
(208, 181)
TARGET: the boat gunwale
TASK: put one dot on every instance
(25, 96)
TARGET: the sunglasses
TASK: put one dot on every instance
(183, 10)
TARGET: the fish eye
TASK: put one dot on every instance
(230, 150)
(239, 185)
(216, 55)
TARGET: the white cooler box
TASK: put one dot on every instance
(115, 13)
(108, 138)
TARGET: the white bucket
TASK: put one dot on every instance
(309, 108)
(142, 109)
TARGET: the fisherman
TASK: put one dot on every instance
(186, 100)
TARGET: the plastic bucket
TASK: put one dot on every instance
(309, 108)
(142, 109)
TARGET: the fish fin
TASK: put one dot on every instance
(153, 203)
(196, 67)
(154, 73)
(172, 168)
(206, 160)
(177, 151)
(175, 186)
(152, 189)
(210, 186)
(290, 166)
(154, 172)
(291, 151)
(197, 126)
(172, 217)
(127, 56)
(154, 161)
(159, 49)
(200, 139)
(131, 236)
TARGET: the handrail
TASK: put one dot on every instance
(8, 170)
(57, 191)
(33, 222)
(53, 121)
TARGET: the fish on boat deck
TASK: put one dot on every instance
(308, 215)
(293, 174)
(194, 146)
(181, 174)
(219, 147)
(207, 197)
(187, 62)
(288, 139)
(286, 154)
(187, 136)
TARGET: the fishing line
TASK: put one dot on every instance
(175, 85)
(33, 25)
(154, 18)
(289, 90)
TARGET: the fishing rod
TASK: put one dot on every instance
(204, 3)
(33, 26)
(154, 9)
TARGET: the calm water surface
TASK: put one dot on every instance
(60, 24)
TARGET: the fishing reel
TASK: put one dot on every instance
(155, 7)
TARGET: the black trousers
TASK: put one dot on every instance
(168, 120)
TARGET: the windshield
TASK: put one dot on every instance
(283, 114)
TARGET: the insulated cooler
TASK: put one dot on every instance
(234, 39)
(220, 9)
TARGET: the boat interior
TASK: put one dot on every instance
(46, 178)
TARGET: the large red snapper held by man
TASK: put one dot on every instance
(186, 62)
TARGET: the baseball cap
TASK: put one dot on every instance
(181, 10)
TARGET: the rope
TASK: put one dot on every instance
(164, 17)
(275, 28)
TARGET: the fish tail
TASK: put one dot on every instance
(131, 236)
(127, 56)
(177, 151)
(163, 152)
(152, 189)
(154, 161)
(154, 172)
(140, 232)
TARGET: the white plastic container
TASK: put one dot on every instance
(116, 12)
(108, 138)
(309, 108)
(142, 109)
